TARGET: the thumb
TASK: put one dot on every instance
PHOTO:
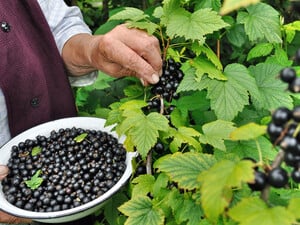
(3, 172)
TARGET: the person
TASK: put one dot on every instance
(45, 48)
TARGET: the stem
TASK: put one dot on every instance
(277, 161)
(149, 163)
(218, 48)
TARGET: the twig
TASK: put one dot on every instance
(277, 162)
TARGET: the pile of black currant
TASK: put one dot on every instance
(71, 167)
(165, 89)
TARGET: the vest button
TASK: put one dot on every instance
(34, 102)
(5, 27)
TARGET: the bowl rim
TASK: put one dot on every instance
(68, 123)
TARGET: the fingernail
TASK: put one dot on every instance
(155, 78)
(142, 81)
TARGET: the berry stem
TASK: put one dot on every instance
(149, 163)
(276, 163)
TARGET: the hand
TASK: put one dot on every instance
(4, 217)
(120, 52)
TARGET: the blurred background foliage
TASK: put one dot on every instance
(96, 12)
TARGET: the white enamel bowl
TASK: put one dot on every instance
(77, 212)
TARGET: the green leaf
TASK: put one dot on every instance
(249, 149)
(35, 180)
(111, 213)
(129, 13)
(193, 101)
(148, 26)
(290, 30)
(248, 132)
(185, 168)
(36, 150)
(203, 66)
(229, 97)
(198, 49)
(80, 137)
(143, 185)
(271, 90)
(251, 211)
(140, 210)
(214, 133)
(184, 208)
(142, 130)
(259, 50)
(194, 26)
(231, 5)
(184, 135)
(190, 82)
(293, 207)
(261, 22)
(226, 174)
(133, 91)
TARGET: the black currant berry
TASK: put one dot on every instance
(289, 144)
(294, 86)
(260, 181)
(296, 175)
(274, 131)
(278, 177)
(291, 159)
(287, 75)
(296, 114)
(281, 116)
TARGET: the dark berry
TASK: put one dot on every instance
(294, 86)
(295, 174)
(281, 116)
(278, 177)
(287, 75)
(296, 114)
(260, 181)
(274, 131)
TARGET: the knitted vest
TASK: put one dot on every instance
(32, 74)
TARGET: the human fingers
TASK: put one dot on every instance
(145, 45)
(126, 61)
(3, 172)
(8, 219)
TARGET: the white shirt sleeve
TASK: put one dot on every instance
(65, 22)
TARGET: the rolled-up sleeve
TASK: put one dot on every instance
(64, 21)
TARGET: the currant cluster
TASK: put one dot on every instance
(289, 75)
(283, 132)
(63, 171)
(166, 87)
(158, 148)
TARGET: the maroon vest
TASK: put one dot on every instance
(32, 74)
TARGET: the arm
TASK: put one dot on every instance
(121, 52)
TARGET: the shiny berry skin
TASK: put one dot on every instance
(278, 177)
(287, 75)
(296, 175)
(260, 181)
(281, 116)
(294, 86)
(274, 131)
(296, 114)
